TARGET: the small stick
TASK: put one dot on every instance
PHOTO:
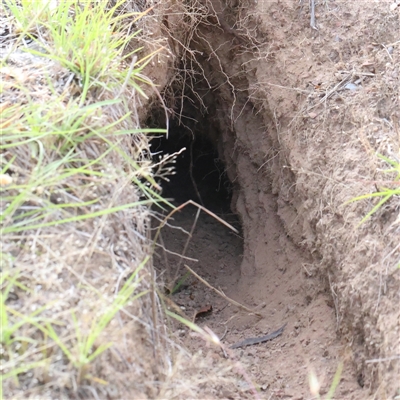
(223, 336)
(258, 340)
(330, 93)
(288, 87)
(312, 21)
(222, 294)
(357, 73)
(378, 360)
(176, 254)
(186, 246)
(198, 206)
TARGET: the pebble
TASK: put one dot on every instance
(227, 394)
(251, 352)
(351, 86)
(112, 391)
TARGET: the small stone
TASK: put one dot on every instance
(5, 180)
(351, 86)
(112, 391)
(251, 352)
(227, 394)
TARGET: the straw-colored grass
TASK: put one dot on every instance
(80, 312)
(77, 184)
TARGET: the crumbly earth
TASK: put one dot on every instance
(284, 291)
(299, 115)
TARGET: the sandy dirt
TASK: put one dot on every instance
(298, 115)
(283, 291)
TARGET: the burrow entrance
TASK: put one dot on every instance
(199, 171)
(200, 176)
(260, 267)
(280, 291)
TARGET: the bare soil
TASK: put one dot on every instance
(284, 291)
(298, 115)
(293, 117)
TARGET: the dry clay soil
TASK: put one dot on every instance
(283, 292)
(295, 156)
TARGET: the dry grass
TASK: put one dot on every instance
(80, 312)
(75, 211)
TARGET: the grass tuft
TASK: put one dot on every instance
(77, 183)
(385, 193)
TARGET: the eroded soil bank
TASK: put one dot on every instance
(282, 292)
(297, 115)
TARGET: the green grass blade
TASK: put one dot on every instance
(77, 218)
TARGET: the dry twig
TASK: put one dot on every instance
(223, 294)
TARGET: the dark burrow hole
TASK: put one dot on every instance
(199, 176)
(199, 172)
